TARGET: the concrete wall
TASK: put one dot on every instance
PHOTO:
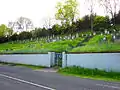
(33, 59)
(107, 61)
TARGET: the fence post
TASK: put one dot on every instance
(64, 60)
(51, 58)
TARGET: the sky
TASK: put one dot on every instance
(37, 10)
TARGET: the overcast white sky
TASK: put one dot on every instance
(36, 10)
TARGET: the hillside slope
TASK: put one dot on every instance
(95, 43)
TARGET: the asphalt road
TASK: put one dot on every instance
(19, 78)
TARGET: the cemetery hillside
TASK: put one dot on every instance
(78, 42)
(88, 34)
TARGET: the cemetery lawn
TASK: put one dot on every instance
(96, 44)
(80, 44)
(110, 47)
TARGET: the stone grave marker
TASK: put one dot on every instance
(94, 33)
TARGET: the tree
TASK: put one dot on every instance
(101, 23)
(21, 24)
(56, 29)
(91, 7)
(24, 35)
(39, 32)
(85, 22)
(5, 31)
(14, 37)
(49, 22)
(66, 11)
(111, 7)
(117, 18)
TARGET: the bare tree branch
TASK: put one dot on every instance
(91, 8)
(111, 7)
(21, 24)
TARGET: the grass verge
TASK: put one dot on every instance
(34, 67)
(90, 73)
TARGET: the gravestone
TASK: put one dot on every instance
(31, 39)
(77, 35)
(68, 37)
(58, 38)
(114, 37)
(114, 30)
(108, 32)
(104, 39)
(53, 36)
(101, 34)
(65, 37)
(117, 34)
(86, 35)
(94, 33)
(73, 37)
(37, 38)
(105, 31)
(90, 34)
(54, 40)
(82, 35)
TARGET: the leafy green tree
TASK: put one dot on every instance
(56, 29)
(66, 11)
(40, 32)
(5, 31)
(24, 35)
(101, 23)
(84, 23)
(14, 37)
(117, 18)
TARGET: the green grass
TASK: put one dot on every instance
(90, 73)
(110, 47)
(23, 65)
(38, 46)
(60, 46)
(95, 44)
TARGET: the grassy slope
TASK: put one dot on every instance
(39, 46)
(93, 45)
(97, 45)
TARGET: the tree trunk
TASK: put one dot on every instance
(91, 22)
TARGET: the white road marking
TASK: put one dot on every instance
(46, 70)
(27, 82)
(115, 87)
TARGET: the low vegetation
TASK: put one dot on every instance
(90, 73)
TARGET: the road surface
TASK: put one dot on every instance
(20, 78)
